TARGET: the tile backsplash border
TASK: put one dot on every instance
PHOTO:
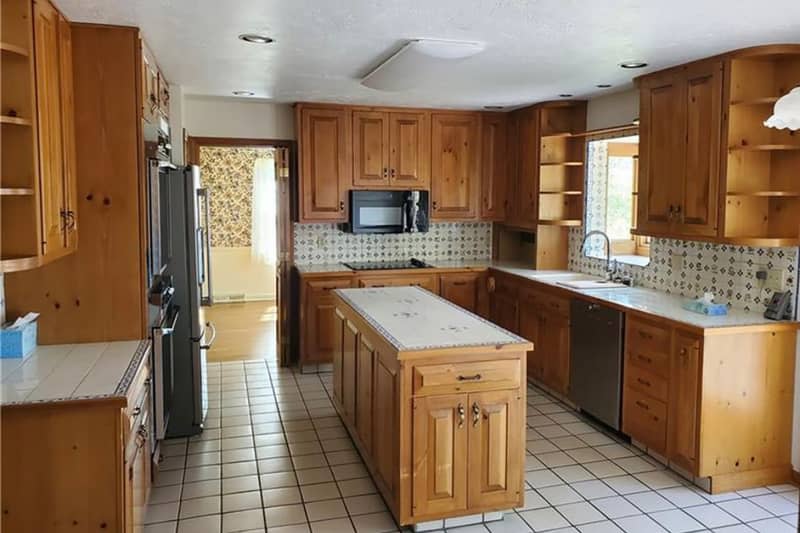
(326, 243)
(728, 271)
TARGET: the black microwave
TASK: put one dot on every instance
(388, 212)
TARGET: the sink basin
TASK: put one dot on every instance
(584, 284)
(559, 277)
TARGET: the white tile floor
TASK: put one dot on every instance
(276, 457)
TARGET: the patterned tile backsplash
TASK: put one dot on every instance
(727, 271)
(325, 243)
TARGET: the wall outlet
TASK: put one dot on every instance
(776, 280)
(676, 262)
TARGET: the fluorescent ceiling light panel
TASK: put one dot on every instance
(417, 61)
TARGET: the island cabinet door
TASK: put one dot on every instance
(349, 355)
(684, 395)
(440, 454)
(385, 428)
(495, 448)
(338, 337)
(364, 370)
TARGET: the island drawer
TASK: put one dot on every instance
(461, 377)
(648, 346)
(646, 382)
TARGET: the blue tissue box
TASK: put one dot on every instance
(18, 342)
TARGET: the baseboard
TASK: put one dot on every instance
(775, 475)
(796, 477)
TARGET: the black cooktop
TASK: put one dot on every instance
(387, 265)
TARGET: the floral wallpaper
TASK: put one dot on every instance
(325, 243)
(227, 172)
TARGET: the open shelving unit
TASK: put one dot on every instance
(762, 180)
(20, 240)
(562, 155)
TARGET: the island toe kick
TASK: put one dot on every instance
(434, 398)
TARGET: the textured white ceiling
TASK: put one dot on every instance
(536, 49)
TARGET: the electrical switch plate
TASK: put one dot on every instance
(776, 280)
(676, 262)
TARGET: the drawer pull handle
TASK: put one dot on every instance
(648, 360)
(644, 335)
(643, 405)
(136, 411)
(644, 382)
(476, 414)
(461, 416)
(476, 377)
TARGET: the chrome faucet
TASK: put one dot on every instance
(609, 271)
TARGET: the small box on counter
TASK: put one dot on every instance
(18, 338)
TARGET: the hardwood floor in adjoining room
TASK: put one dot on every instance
(245, 331)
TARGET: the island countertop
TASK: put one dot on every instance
(414, 319)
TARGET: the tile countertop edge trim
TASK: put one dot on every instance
(706, 330)
(402, 348)
(120, 391)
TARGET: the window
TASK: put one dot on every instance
(612, 197)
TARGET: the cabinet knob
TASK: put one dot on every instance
(393, 172)
(341, 206)
(461, 415)
(435, 205)
(385, 172)
(476, 414)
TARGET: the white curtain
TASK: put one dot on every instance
(264, 245)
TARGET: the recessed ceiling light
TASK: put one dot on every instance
(565, 95)
(603, 85)
(256, 38)
(633, 64)
(493, 107)
(243, 93)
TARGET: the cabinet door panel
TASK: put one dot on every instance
(366, 358)
(49, 112)
(554, 341)
(454, 172)
(319, 312)
(529, 329)
(440, 454)
(461, 289)
(385, 427)
(338, 356)
(504, 311)
(68, 134)
(527, 198)
(662, 148)
(684, 397)
(370, 149)
(410, 157)
(349, 384)
(703, 129)
(495, 448)
(325, 168)
(494, 162)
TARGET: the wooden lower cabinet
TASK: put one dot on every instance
(554, 350)
(436, 446)
(462, 289)
(316, 315)
(78, 465)
(503, 302)
(716, 403)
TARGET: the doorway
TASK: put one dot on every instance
(248, 184)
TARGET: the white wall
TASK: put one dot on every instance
(616, 109)
(235, 275)
(176, 122)
(208, 116)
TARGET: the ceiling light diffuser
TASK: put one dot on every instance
(633, 64)
(243, 93)
(417, 61)
(256, 38)
(786, 114)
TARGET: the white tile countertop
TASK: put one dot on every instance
(649, 301)
(411, 318)
(64, 372)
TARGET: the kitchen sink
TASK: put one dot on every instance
(585, 284)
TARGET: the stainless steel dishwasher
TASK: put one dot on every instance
(596, 337)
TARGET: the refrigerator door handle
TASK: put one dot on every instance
(205, 243)
(210, 343)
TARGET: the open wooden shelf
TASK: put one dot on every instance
(16, 191)
(564, 222)
(764, 148)
(563, 193)
(19, 263)
(13, 49)
(766, 194)
(756, 101)
(558, 135)
(563, 163)
(17, 121)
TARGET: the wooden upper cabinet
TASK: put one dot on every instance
(699, 202)
(439, 452)
(55, 128)
(68, 135)
(679, 150)
(454, 166)
(325, 164)
(682, 426)
(495, 469)
(662, 149)
(526, 192)
(370, 149)
(410, 150)
(494, 163)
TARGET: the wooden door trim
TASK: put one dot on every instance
(192, 156)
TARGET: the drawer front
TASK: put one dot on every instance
(322, 288)
(645, 419)
(648, 346)
(138, 388)
(647, 382)
(554, 304)
(428, 282)
(464, 377)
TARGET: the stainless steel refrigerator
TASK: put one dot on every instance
(189, 266)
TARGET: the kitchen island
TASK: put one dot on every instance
(434, 398)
